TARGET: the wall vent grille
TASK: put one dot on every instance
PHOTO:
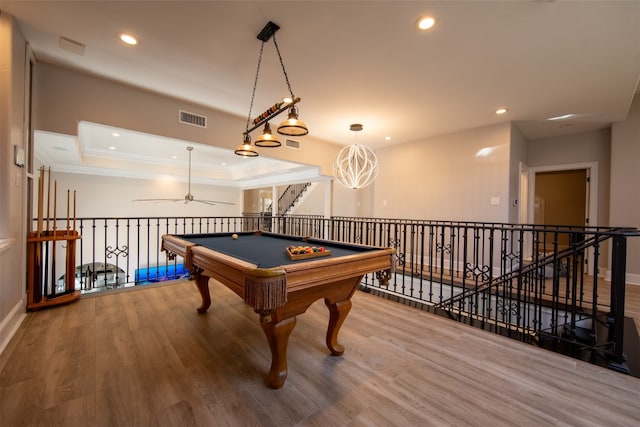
(290, 143)
(192, 119)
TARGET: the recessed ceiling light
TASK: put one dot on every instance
(501, 110)
(387, 138)
(563, 117)
(112, 148)
(129, 39)
(174, 157)
(426, 22)
(224, 163)
(116, 134)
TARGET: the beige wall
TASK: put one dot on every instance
(251, 201)
(625, 178)
(103, 196)
(312, 202)
(344, 202)
(64, 97)
(442, 178)
(517, 154)
(13, 198)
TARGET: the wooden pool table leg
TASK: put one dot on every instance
(337, 314)
(202, 283)
(278, 336)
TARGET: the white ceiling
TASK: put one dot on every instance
(110, 151)
(360, 62)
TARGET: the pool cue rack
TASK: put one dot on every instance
(43, 246)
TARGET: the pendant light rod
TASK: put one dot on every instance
(189, 196)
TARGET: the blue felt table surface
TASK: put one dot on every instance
(267, 250)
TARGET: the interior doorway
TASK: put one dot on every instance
(568, 195)
(561, 197)
(266, 201)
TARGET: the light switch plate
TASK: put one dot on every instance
(18, 155)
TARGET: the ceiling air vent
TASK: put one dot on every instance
(290, 143)
(192, 119)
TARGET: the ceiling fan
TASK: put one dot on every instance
(188, 197)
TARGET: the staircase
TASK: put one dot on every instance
(288, 198)
(545, 302)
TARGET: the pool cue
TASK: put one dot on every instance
(67, 233)
(74, 210)
(37, 268)
(68, 211)
(48, 197)
(55, 207)
(46, 244)
(40, 200)
(55, 228)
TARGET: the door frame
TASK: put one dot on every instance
(592, 194)
(523, 193)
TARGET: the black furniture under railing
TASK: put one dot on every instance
(539, 284)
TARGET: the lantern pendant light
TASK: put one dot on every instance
(292, 126)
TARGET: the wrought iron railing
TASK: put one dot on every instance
(539, 284)
(120, 252)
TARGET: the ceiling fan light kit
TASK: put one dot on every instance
(292, 126)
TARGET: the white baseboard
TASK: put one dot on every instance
(630, 279)
(10, 324)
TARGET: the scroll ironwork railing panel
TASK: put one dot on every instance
(539, 284)
(121, 252)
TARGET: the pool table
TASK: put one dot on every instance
(256, 266)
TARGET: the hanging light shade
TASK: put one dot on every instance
(293, 126)
(245, 149)
(356, 166)
(267, 139)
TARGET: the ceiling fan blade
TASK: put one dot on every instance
(214, 202)
(157, 200)
(189, 197)
(206, 202)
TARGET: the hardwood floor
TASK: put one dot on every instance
(146, 358)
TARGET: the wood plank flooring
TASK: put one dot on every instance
(146, 358)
